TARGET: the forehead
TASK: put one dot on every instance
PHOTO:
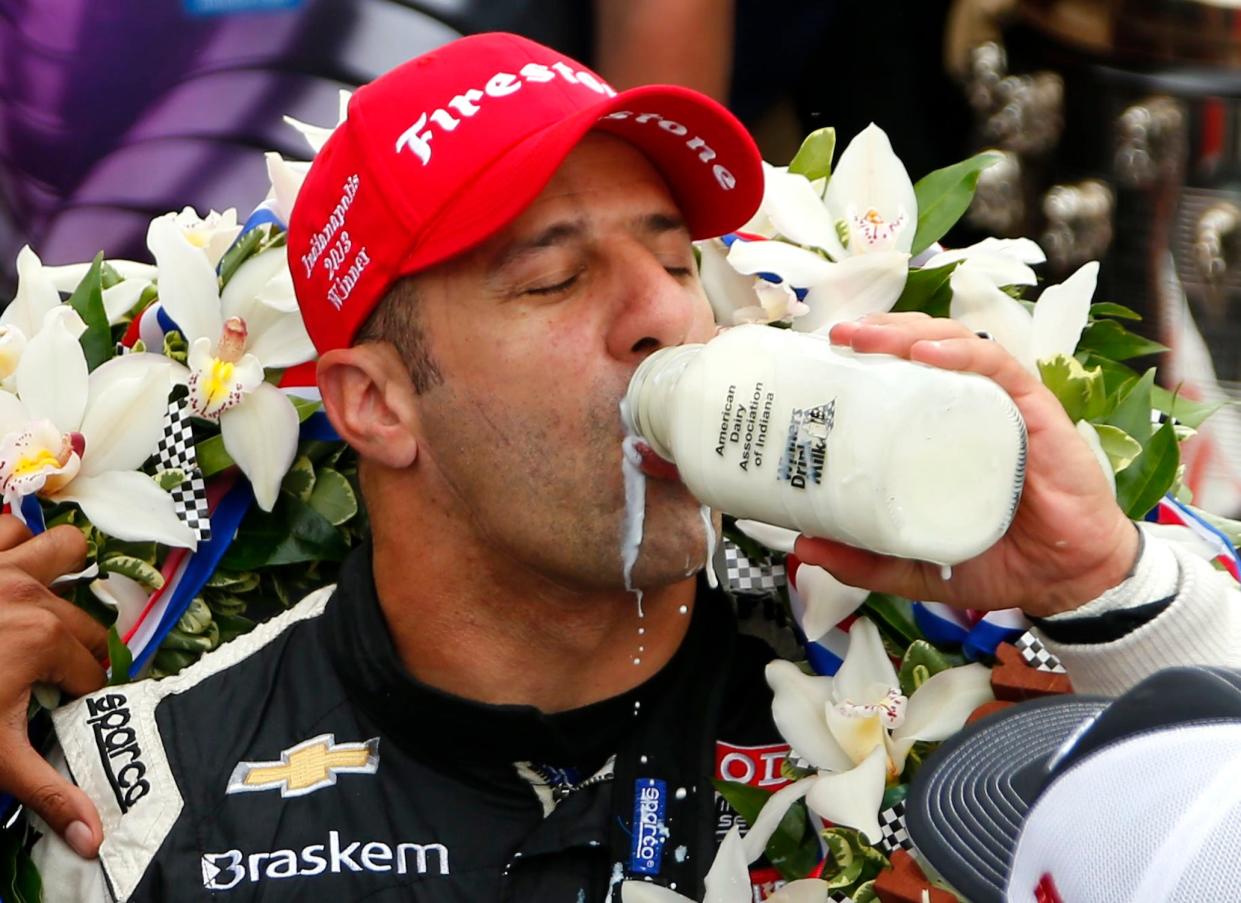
(602, 180)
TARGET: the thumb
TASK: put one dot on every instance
(65, 807)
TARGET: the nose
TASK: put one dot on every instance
(655, 309)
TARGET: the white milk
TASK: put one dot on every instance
(870, 450)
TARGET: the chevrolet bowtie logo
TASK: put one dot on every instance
(311, 765)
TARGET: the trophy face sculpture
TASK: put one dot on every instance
(1119, 129)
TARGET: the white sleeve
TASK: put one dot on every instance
(66, 876)
(1201, 625)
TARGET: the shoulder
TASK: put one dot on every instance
(127, 746)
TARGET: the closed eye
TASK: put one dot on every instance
(553, 289)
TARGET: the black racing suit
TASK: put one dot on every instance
(303, 762)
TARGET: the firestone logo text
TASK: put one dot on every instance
(224, 871)
(417, 138)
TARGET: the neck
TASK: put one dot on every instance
(489, 629)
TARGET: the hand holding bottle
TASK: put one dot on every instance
(1069, 541)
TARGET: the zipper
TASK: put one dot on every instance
(561, 790)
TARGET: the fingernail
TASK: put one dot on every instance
(78, 836)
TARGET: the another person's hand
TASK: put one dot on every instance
(44, 639)
(1069, 540)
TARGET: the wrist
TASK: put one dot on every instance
(1115, 568)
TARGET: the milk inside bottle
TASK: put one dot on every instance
(871, 450)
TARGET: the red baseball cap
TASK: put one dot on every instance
(446, 149)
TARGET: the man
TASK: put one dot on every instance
(482, 710)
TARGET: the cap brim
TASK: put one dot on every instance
(518, 174)
(966, 807)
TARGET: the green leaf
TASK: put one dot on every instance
(333, 497)
(299, 482)
(814, 158)
(943, 196)
(920, 663)
(1132, 413)
(197, 617)
(237, 583)
(292, 533)
(170, 479)
(212, 456)
(1141, 485)
(304, 407)
(87, 300)
(894, 618)
(171, 661)
(1110, 339)
(175, 346)
(927, 291)
(792, 848)
(1108, 309)
(1121, 448)
(1118, 378)
(108, 276)
(1082, 392)
(134, 569)
(242, 250)
(1188, 411)
(119, 659)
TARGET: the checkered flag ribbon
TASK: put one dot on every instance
(893, 834)
(839, 898)
(1036, 654)
(746, 576)
(176, 452)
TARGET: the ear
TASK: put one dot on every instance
(370, 400)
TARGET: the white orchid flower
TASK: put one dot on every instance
(118, 299)
(727, 881)
(212, 235)
(286, 176)
(233, 337)
(67, 436)
(316, 135)
(859, 285)
(857, 727)
(1004, 261)
(1055, 327)
(737, 298)
(820, 601)
(123, 594)
(865, 222)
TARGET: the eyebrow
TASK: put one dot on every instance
(568, 231)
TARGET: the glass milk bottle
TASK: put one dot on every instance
(877, 452)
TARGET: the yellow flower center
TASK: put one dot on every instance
(217, 382)
(40, 459)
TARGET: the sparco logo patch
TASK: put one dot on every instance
(224, 871)
(650, 803)
(118, 748)
(309, 766)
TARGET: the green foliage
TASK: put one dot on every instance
(927, 291)
(1082, 391)
(19, 879)
(134, 568)
(894, 618)
(1108, 309)
(119, 659)
(792, 848)
(175, 346)
(333, 497)
(1184, 410)
(943, 196)
(1141, 485)
(814, 158)
(87, 300)
(852, 861)
(920, 663)
(1119, 446)
(1110, 339)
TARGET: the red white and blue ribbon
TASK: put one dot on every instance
(1170, 511)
